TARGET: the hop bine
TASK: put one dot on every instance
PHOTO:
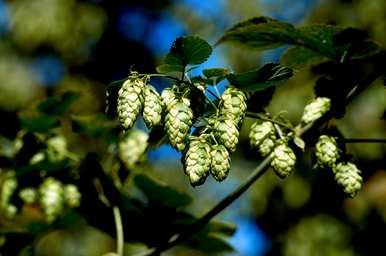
(233, 104)
(130, 100)
(348, 176)
(178, 122)
(283, 161)
(327, 151)
(262, 136)
(152, 110)
(197, 161)
(220, 163)
(316, 109)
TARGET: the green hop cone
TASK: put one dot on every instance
(197, 161)
(152, 107)
(51, 198)
(221, 162)
(233, 104)
(262, 136)
(7, 188)
(56, 148)
(169, 98)
(349, 177)
(10, 211)
(283, 161)
(72, 196)
(316, 109)
(28, 195)
(226, 132)
(327, 151)
(130, 101)
(178, 122)
(132, 147)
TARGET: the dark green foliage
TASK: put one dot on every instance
(58, 105)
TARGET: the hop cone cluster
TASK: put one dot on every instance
(233, 104)
(8, 187)
(262, 136)
(28, 195)
(178, 122)
(220, 162)
(327, 151)
(130, 100)
(152, 109)
(197, 161)
(314, 110)
(72, 196)
(283, 161)
(226, 133)
(349, 177)
(51, 198)
(132, 147)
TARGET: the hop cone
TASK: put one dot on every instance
(316, 109)
(233, 104)
(262, 135)
(72, 195)
(221, 162)
(28, 195)
(349, 177)
(227, 133)
(327, 151)
(152, 110)
(130, 101)
(197, 161)
(178, 121)
(132, 147)
(51, 198)
(283, 161)
(57, 148)
(8, 187)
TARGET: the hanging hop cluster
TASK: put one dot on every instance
(327, 151)
(179, 115)
(316, 109)
(233, 105)
(262, 136)
(132, 147)
(348, 176)
(135, 96)
(203, 157)
(53, 196)
(8, 187)
(283, 160)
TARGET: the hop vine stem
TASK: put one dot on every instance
(119, 230)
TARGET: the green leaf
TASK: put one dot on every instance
(58, 105)
(298, 56)
(260, 33)
(41, 123)
(169, 68)
(215, 72)
(93, 126)
(160, 193)
(269, 75)
(209, 243)
(300, 143)
(188, 50)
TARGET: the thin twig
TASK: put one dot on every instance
(119, 230)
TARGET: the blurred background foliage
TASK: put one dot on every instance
(49, 47)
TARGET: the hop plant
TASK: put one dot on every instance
(152, 110)
(132, 147)
(226, 132)
(327, 151)
(283, 161)
(349, 177)
(221, 162)
(178, 122)
(130, 100)
(262, 136)
(28, 195)
(233, 104)
(72, 196)
(197, 161)
(51, 198)
(314, 110)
